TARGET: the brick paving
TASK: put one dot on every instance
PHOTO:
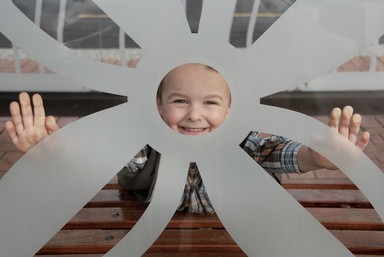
(32, 66)
(359, 63)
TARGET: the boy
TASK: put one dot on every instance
(192, 99)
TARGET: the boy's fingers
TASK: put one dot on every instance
(348, 125)
(51, 124)
(354, 128)
(363, 140)
(345, 120)
(26, 110)
(39, 112)
(11, 130)
(334, 118)
(14, 108)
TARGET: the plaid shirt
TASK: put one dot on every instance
(275, 154)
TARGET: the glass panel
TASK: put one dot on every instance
(286, 74)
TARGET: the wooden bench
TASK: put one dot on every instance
(112, 213)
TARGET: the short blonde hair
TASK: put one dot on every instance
(160, 88)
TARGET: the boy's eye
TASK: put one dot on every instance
(179, 101)
(211, 102)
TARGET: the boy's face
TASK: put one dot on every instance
(194, 99)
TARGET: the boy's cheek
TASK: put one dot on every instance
(170, 118)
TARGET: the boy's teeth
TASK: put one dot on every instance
(194, 129)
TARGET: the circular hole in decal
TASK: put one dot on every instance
(193, 99)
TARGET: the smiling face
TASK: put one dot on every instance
(193, 99)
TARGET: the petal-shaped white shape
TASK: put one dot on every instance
(310, 39)
(218, 28)
(148, 22)
(55, 179)
(259, 214)
(85, 72)
(165, 200)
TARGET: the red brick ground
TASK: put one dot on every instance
(360, 63)
(31, 66)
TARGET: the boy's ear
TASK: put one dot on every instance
(159, 106)
(228, 109)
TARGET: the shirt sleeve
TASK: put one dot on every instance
(138, 162)
(276, 154)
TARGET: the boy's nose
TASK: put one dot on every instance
(194, 113)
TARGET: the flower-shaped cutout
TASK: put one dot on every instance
(74, 163)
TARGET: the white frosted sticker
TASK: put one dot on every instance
(62, 173)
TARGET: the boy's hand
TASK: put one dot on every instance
(29, 125)
(347, 124)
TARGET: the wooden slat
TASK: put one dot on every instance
(292, 183)
(191, 240)
(196, 254)
(171, 240)
(71, 255)
(362, 242)
(330, 198)
(307, 197)
(348, 219)
(115, 198)
(319, 179)
(194, 240)
(318, 184)
(168, 255)
(126, 218)
(204, 254)
(87, 241)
